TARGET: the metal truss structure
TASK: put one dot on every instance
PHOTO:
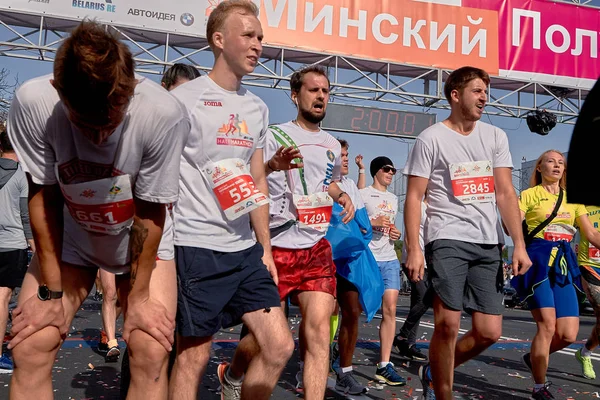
(37, 37)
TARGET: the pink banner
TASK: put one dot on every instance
(540, 37)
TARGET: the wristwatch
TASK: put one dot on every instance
(46, 294)
(361, 171)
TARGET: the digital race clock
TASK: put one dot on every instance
(376, 121)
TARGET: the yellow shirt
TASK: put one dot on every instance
(587, 254)
(537, 204)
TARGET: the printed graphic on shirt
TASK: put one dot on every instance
(234, 133)
(77, 171)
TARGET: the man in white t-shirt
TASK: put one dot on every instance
(225, 268)
(465, 165)
(382, 207)
(106, 144)
(301, 207)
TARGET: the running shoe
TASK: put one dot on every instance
(427, 382)
(586, 365)
(229, 391)
(347, 383)
(405, 350)
(299, 377)
(543, 393)
(6, 364)
(112, 355)
(526, 360)
(334, 357)
(389, 375)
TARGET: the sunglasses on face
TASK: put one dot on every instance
(387, 169)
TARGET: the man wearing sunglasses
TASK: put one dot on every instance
(382, 207)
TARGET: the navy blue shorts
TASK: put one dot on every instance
(215, 289)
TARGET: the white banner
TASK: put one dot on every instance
(176, 16)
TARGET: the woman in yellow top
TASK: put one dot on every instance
(553, 283)
(588, 257)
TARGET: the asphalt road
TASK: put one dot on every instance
(81, 373)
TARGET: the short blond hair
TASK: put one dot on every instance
(217, 17)
(536, 177)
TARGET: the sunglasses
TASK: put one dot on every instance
(387, 169)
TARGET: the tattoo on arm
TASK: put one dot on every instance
(137, 238)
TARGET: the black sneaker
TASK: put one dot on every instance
(347, 383)
(526, 360)
(543, 393)
(400, 345)
(405, 350)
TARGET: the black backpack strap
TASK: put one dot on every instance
(544, 224)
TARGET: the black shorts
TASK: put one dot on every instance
(466, 275)
(215, 289)
(344, 285)
(13, 266)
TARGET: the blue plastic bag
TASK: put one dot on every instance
(353, 258)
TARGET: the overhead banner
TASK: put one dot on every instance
(537, 40)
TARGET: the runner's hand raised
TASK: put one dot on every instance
(286, 158)
(359, 161)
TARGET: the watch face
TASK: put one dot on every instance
(43, 292)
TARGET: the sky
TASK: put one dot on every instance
(523, 143)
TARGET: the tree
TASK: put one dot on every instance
(7, 90)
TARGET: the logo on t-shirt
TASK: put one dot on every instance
(234, 133)
(77, 171)
(329, 171)
(208, 103)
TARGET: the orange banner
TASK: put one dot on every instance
(401, 31)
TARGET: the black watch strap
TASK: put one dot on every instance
(46, 294)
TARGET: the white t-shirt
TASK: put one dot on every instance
(146, 146)
(448, 218)
(421, 231)
(349, 186)
(381, 203)
(322, 163)
(225, 125)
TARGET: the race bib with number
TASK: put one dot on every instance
(473, 182)
(101, 206)
(593, 253)
(556, 232)
(234, 187)
(314, 210)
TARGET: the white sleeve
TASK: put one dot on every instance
(502, 157)
(158, 177)
(263, 134)
(420, 160)
(29, 139)
(270, 145)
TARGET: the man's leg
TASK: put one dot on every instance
(584, 354)
(387, 329)
(148, 359)
(485, 331)
(442, 348)
(405, 341)
(192, 358)
(350, 306)
(34, 357)
(272, 338)
(110, 313)
(316, 309)
(5, 295)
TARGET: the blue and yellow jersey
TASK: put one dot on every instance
(537, 204)
(587, 253)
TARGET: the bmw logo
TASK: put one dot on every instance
(187, 19)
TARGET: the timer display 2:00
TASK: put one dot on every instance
(392, 122)
(379, 121)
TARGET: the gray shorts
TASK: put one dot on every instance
(466, 275)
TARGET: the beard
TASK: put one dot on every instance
(310, 117)
(468, 113)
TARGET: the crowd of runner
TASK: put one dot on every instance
(192, 214)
